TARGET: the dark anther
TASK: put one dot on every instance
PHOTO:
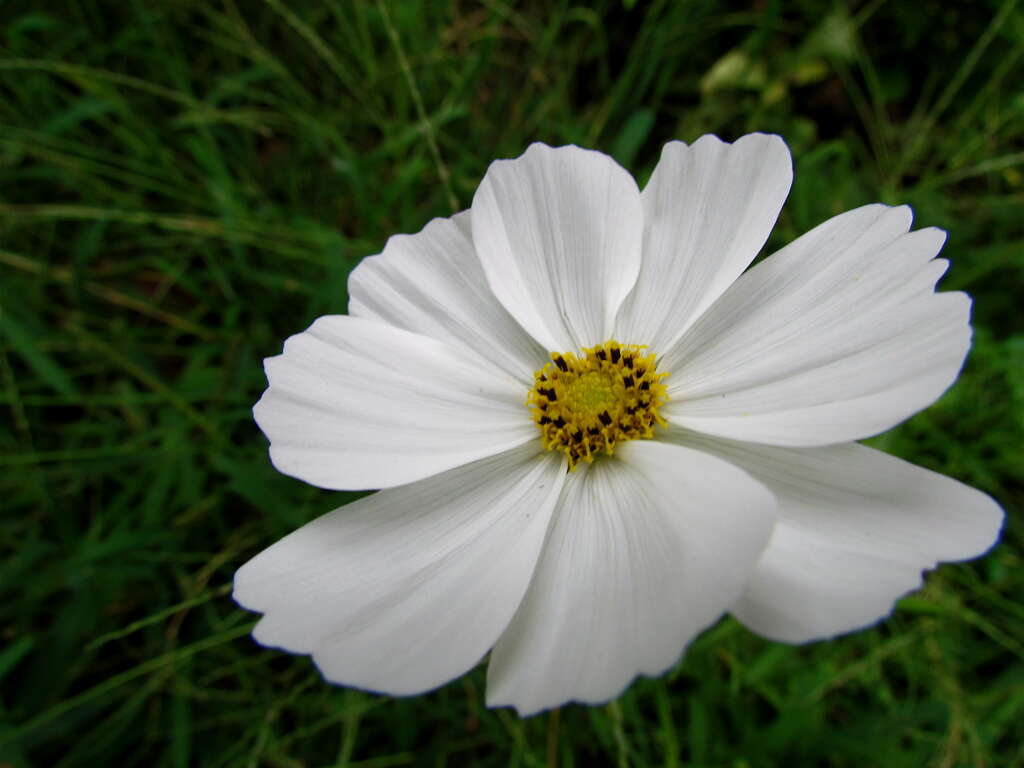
(578, 436)
(602, 355)
(544, 420)
(644, 386)
(640, 372)
(548, 393)
(559, 422)
(616, 354)
(627, 381)
(562, 365)
(605, 418)
(628, 361)
(593, 431)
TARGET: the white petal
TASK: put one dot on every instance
(559, 232)
(645, 551)
(836, 337)
(708, 210)
(355, 404)
(406, 589)
(432, 283)
(856, 528)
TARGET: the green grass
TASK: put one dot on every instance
(184, 184)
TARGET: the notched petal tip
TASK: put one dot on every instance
(497, 699)
(240, 592)
(539, 151)
(903, 212)
(937, 232)
(543, 147)
(769, 142)
(263, 633)
(892, 219)
(989, 520)
(531, 153)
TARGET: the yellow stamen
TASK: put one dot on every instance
(585, 405)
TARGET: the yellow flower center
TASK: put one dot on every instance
(585, 405)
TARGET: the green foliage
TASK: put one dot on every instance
(184, 184)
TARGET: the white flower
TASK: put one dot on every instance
(744, 493)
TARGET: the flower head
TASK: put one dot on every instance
(596, 430)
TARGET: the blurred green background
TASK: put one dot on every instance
(184, 183)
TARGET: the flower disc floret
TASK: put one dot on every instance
(584, 405)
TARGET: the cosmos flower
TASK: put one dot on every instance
(597, 431)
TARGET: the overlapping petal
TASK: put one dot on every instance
(836, 337)
(356, 404)
(406, 589)
(708, 209)
(856, 529)
(644, 552)
(432, 283)
(559, 232)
